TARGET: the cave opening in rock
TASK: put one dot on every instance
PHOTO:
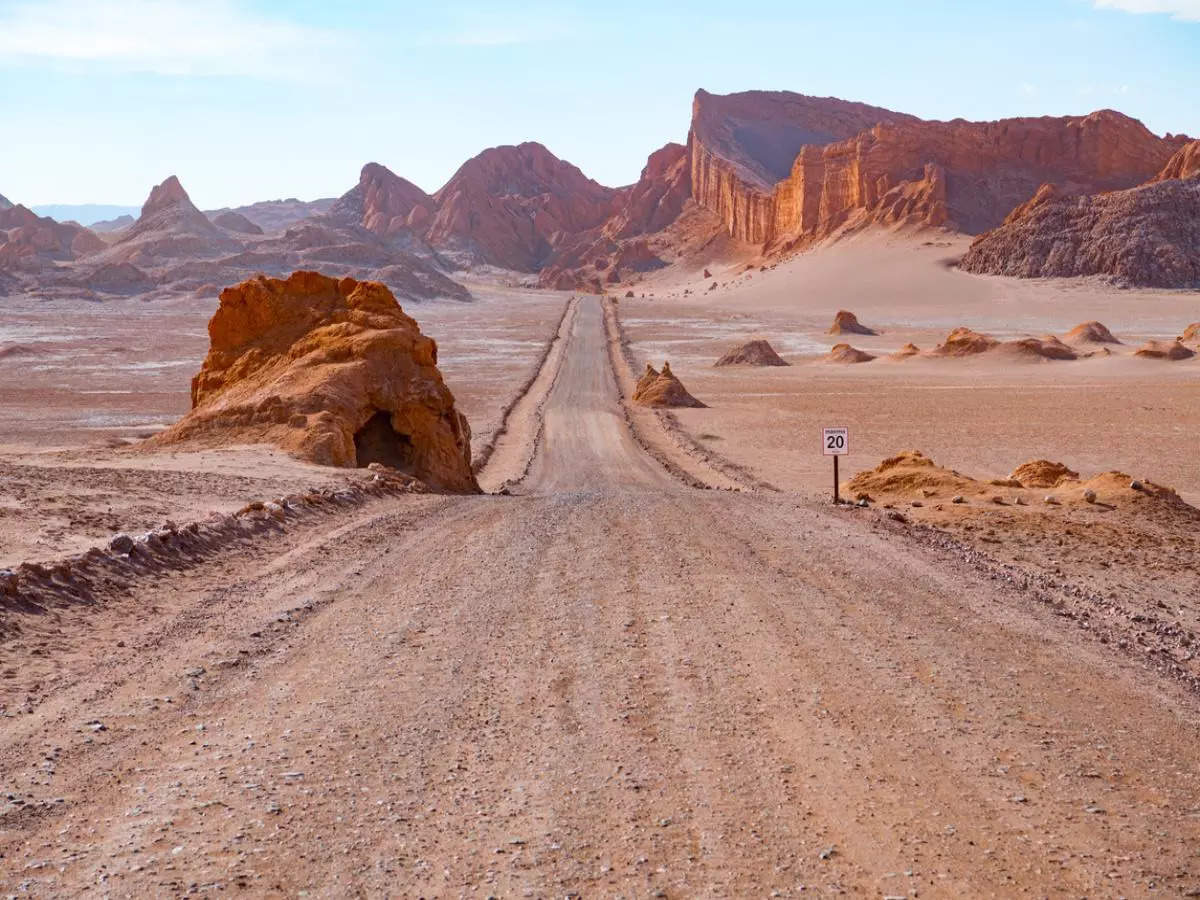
(378, 442)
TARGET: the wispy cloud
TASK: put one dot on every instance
(170, 37)
(1184, 10)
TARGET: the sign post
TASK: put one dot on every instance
(835, 442)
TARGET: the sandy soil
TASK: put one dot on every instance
(78, 384)
(609, 683)
(982, 416)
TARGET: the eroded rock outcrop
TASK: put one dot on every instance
(844, 354)
(663, 390)
(1092, 332)
(1168, 350)
(332, 371)
(846, 322)
(1146, 236)
(752, 353)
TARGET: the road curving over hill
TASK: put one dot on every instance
(607, 683)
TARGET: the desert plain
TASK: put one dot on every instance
(636, 649)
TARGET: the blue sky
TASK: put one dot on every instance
(258, 99)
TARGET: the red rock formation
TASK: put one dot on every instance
(1184, 164)
(616, 250)
(1148, 235)
(743, 145)
(383, 203)
(5, 203)
(511, 206)
(26, 236)
(332, 371)
(863, 165)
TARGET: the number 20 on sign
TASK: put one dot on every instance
(835, 442)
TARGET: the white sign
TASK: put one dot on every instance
(835, 441)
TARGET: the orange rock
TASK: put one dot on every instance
(1184, 164)
(332, 371)
(845, 322)
(963, 341)
(1191, 333)
(1042, 473)
(663, 390)
(1170, 350)
(844, 353)
(1090, 333)
(906, 351)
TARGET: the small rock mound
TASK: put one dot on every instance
(332, 371)
(909, 349)
(752, 353)
(845, 322)
(1190, 334)
(1090, 333)
(909, 472)
(1170, 350)
(847, 355)
(963, 341)
(1042, 473)
(1047, 347)
(663, 390)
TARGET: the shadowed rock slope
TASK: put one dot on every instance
(1147, 236)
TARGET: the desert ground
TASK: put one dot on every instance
(658, 661)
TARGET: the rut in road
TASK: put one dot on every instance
(610, 684)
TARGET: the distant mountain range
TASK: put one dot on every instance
(762, 174)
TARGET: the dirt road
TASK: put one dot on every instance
(606, 684)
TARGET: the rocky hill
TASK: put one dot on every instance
(511, 206)
(1147, 235)
(28, 240)
(5, 203)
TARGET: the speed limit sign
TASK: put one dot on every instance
(835, 441)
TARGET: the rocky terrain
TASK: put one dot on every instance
(332, 371)
(761, 174)
(1146, 235)
(608, 681)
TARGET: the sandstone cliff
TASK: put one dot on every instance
(332, 371)
(851, 165)
(1148, 235)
